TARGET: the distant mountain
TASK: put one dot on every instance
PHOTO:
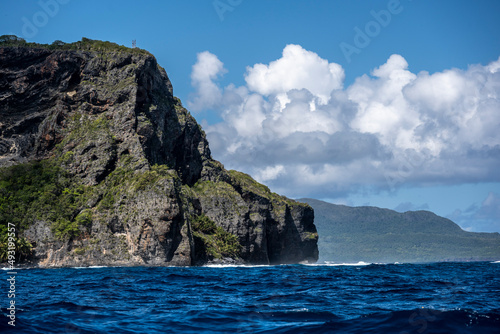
(371, 234)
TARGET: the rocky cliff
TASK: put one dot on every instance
(102, 165)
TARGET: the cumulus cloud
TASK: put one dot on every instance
(296, 128)
(296, 69)
(207, 68)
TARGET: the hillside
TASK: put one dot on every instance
(370, 234)
(100, 164)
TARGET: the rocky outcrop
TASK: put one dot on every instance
(128, 178)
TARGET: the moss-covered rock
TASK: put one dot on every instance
(212, 241)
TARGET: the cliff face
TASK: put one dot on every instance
(123, 173)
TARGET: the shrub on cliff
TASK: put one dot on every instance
(217, 242)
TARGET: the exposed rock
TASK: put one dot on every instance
(139, 166)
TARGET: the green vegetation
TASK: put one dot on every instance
(23, 249)
(245, 183)
(41, 190)
(145, 180)
(221, 194)
(123, 180)
(311, 236)
(204, 225)
(64, 228)
(85, 44)
(370, 234)
(84, 218)
(216, 242)
(84, 128)
(216, 189)
(80, 250)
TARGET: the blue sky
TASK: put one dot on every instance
(386, 103)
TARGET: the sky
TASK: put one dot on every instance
(387, 103)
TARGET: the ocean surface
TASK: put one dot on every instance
(360, 298)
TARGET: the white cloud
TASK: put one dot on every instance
(494, 66)
(294, 126)
(439, 92)
(382, 107)
(296, 69)
(207, 68)
(269, 173)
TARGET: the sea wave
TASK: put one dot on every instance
(333, 264)
(411, 321)
(87, 320)
(237, 266)
(322, 298)
(91, 267)
(13, 269)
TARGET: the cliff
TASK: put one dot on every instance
(102, 165)
(371, 234)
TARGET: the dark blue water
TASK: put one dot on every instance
(394, 298)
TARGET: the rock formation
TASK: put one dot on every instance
(123, 173)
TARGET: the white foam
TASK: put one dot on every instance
(235, 266)
(332, 264)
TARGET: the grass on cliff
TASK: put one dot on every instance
(123, 181)
(245, 183)
(214, 240)
(41, 190)
(85, 44)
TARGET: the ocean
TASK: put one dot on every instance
(328, 298)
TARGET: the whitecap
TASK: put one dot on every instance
(333, 264)
(235, 266)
